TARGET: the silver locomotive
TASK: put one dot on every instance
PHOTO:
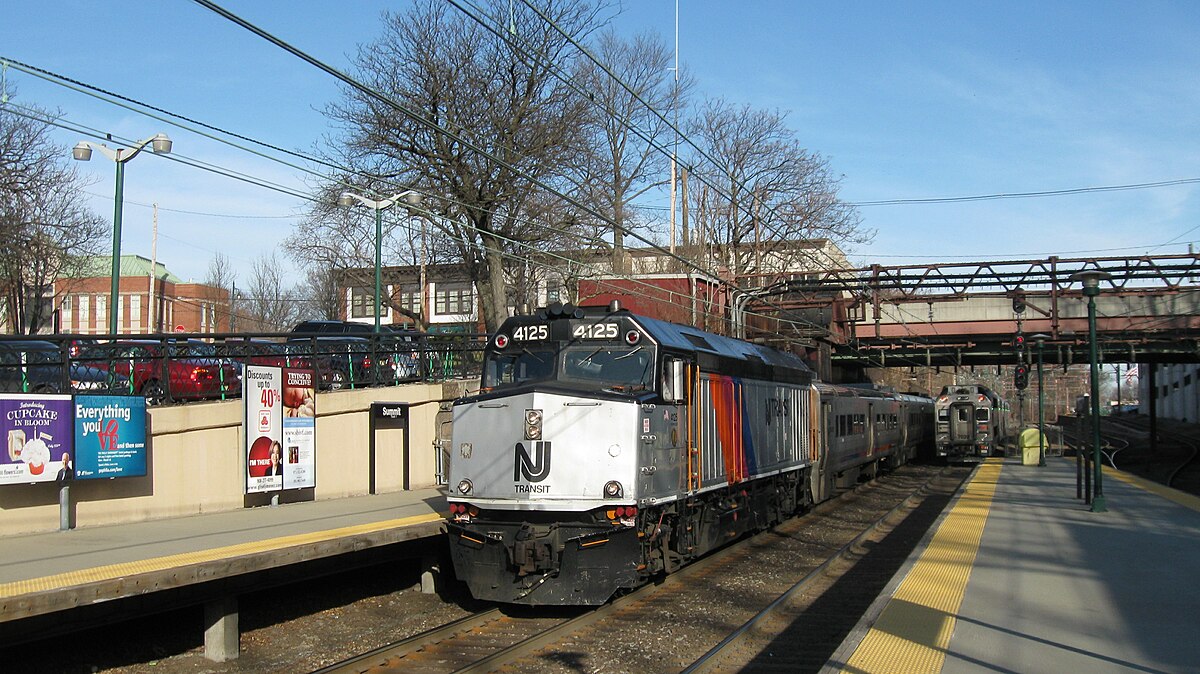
(604, 448)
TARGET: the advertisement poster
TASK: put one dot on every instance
(299, 429)
(110, 437)
(38, 431)
(263, 400)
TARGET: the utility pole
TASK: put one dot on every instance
(154, 272)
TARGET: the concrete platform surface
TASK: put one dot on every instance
(44, 572)
(1020, 576)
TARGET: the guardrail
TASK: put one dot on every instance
(169, 369)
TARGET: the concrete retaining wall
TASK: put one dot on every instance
(196, 463)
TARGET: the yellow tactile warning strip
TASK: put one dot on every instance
(114, 571)
(914, 629)
(1183, 499)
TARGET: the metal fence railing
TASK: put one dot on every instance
(178, 368)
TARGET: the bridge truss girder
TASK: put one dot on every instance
(843, 308)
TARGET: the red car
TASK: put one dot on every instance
(161, 374)
(275, 354)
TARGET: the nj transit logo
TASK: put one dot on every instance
(532, 468)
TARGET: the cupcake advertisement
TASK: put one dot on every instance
(38, 431)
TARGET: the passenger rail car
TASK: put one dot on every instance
(604, 448)
(972, 422)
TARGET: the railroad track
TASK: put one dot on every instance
(1178, 468)
(757, 644)
(823, 542)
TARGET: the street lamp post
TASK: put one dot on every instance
(348, 199)
(1091, 288)
(1040, 340)
(159, 144)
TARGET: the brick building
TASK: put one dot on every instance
(651, 283)
(169, 305)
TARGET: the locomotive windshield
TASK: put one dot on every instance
(629, 368)
(519, 367)
(572, 351)
(622, 368)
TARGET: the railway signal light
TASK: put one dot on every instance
(1021, 376)
(1019, 342)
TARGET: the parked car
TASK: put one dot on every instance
(36, 366)
(293, 354)
(331, 327)
(159, 376)
(344, 361)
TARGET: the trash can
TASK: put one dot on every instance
(1029, 446)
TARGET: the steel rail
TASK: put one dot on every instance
(356, 663)
(367, 661)
(714, 559)
(710, 660)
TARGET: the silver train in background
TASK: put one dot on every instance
(604, 448)
(972, 422)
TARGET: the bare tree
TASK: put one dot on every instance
(47, 230)
(466, 89)
(221, 275)
(336, 243)
(268, 306)
(764, 192)
(637, 96)
(318, 295)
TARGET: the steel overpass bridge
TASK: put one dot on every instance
(966, 313)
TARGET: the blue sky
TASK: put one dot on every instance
(906, 100)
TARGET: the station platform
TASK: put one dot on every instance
(1020, 576)
(47, 573)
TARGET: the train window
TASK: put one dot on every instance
(518, 367)
(981, 414)
(623, 366)
(962, 414)
(943, 414)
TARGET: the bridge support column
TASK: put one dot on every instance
(222, 640)
(428, 574)
(1153, 385)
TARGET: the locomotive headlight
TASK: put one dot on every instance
(533, 424)
(465, 486)
(613, 489)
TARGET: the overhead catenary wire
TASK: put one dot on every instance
(83, 130)
(252, 140)
(678, 134)
(467, 143)
(458, 137)
(252, 180)
(1028, 195)
(96, 133)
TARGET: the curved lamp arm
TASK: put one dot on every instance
(159, 144)
(410, 197)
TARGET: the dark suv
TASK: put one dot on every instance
(328, 327)
(350, 342)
